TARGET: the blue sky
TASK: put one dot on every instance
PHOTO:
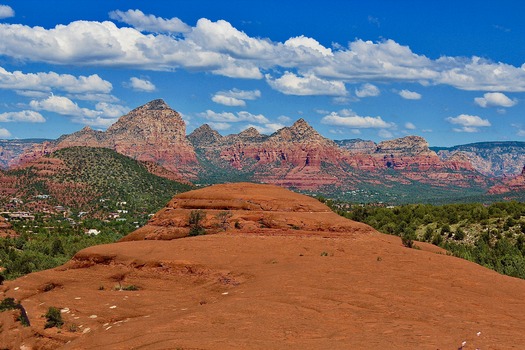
(450, 71)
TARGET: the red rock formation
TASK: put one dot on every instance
(296, 156)
(153, 133)
(512, 184)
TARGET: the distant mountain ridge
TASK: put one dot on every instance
(496, 158)
(296, 157)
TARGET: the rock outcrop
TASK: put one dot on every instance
(228, 208)
(510, 184)
(152, 133)
(494, 159)
(295, 156)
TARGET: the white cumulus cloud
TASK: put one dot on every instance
(235, 97)
(410, 126)
(219, 126)
(367, 90)
(468, 123)
(349, 119)
(218, 47)
(496, 99)
(42, 81)
(4, 133)
(228, 101)
(227, 117)
(409, 95)
(103, 115)
(22, 116)
(139, 84)
(6, 12)
(385, 134)
(291, 84)
(150, 23)
(302, 42)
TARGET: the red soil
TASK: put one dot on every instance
(272, 289)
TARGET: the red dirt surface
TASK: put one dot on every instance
(269, 289)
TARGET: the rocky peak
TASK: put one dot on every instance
(250, 132)
(157, 104)
(84, 137)
(204, 135)
(251, 135)
(300, 132)
(405, 146)
(154, 120)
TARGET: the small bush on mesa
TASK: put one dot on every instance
(53, 318)
(195, 222)
(10, 304)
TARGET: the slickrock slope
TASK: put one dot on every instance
(283, 289)
(249, 208)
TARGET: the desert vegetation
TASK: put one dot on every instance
(92, 180)
(48, 242)
(490, 235)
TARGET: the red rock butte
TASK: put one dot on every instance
(280, 271)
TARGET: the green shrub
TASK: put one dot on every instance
(130, 287)
(8, 304)
(53, 318)
(459, 235)
(195, 222)
(408, 237)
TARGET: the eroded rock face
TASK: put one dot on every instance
(491, 158)
(510, 184)
(357, 146)
(153, 133)
(295, 156)
(227, 207)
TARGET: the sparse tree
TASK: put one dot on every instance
(223, 218)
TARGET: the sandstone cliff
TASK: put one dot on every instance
(490, 158)
(152, 133)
